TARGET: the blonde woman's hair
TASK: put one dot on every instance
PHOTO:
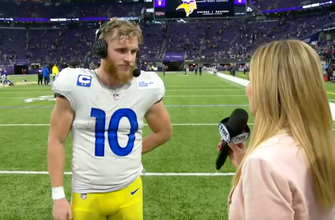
(288, 93)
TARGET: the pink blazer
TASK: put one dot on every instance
(276, 184)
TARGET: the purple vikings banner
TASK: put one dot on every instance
(239, 2)
(174, 57)
(159, 3)
(311, 39)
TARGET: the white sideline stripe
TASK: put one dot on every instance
(145, 174)
(190, 96)
(41, 125)
(202, 90)
(44, 125)
(15, 98)
(168, 90)
(168, 96)
(167, 87)
(201, 86)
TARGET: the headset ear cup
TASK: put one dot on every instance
(100, 48)
(138, 59)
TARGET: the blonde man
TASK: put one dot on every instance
(105, 110)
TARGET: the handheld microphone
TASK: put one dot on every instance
(233, 129)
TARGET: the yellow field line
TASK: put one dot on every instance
(332, 93)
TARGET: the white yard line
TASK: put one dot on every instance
(167, 96)
(202, 90)
(44, 125)
(14, 98)
(186, 124)
(228, 85)
(24, 172)
(196, 96)
(168, 90)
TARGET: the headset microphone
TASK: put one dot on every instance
(233, 129)
(136, 72)
(99, 49)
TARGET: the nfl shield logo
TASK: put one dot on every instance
(83, 196)
(116, 97)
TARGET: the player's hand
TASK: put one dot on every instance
(62, 210)
(236, 152)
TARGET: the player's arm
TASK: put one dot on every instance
(60, 125)
(158, 120)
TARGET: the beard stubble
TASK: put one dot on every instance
(121, 77)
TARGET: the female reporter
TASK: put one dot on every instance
(288, 170)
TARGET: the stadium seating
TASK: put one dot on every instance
(92, 9)
(227, 39)
(274, 4)
(68, 10)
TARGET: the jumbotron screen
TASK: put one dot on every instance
(169, 9)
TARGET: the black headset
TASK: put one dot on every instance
(99, 49)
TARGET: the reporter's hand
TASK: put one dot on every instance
(236, 152)
(62, 210)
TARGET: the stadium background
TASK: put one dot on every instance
(181, 182)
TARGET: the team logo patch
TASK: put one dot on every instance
(116, 97)
(224, 133)
(240, 138)
(84, 81)
(145, 84)
(83, 196)
(133, 192)
(188, 6)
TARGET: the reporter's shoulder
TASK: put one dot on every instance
(280, 151)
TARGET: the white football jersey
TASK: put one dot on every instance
(107, 128)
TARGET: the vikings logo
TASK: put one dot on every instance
(188, 6)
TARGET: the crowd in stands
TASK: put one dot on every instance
(219, 39)
(275, 4)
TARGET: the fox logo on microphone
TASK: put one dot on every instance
(240, 138)
(224, 133)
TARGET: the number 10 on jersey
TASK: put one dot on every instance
(113, 127)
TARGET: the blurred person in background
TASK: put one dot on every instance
(330, 71)
(46, 75)
(40, 76)
(55, 72)
(3, 74)
(287, 172)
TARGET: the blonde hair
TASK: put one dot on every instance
(122, 28)
(288, 93)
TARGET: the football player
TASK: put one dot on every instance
(105, 111)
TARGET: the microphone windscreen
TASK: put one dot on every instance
(136, 72)
(237, 122)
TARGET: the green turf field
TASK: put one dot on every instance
(181, 181)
